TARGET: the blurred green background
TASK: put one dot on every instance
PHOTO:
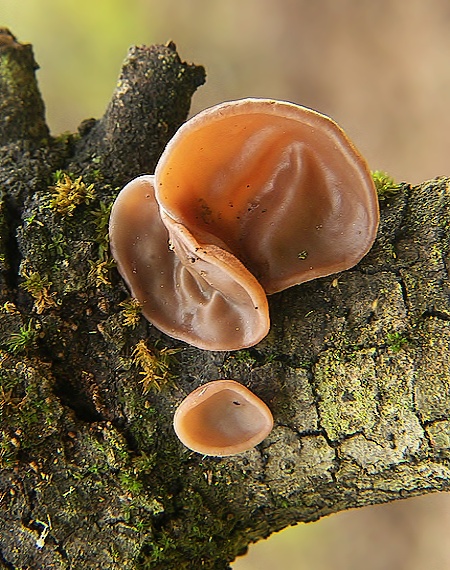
(380, 68)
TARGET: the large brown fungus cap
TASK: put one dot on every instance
(254, 196)
(278, 185)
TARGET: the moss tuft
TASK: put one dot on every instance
(155, 365)
(39, 288)
(68, 193)
(385, 185)
(131, 312)
(23, 340)
(99, 271)
(396, 341)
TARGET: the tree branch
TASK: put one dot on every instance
(355, 368)
(21, 105)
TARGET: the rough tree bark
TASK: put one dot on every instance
(355, 368)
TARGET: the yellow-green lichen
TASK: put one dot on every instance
(347, 392)
(439, 436)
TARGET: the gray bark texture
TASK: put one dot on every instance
(356, 368)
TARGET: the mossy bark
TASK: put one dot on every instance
(356, 368)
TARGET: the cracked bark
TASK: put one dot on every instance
(355, 368)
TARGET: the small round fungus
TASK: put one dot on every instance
(222, 418)
(249, 198)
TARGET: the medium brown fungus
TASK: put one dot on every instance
(222, 418)
(192, 291)
(253, 196)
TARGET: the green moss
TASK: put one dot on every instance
(101, 222)
(144, 463)
(39, 288)
(396, 341)
(131, 312)
(24, 339)
(58, 245)
(101, 266)
(245, 357)
(71, 215)
(68, 193)
(385, 185)
(9, 308)
(25, 404)
(130, 483)
(99, 272)
(439, 435)
(67, 138)
(155, 365)
(4, 231)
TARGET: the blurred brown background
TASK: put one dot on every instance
(380, 68)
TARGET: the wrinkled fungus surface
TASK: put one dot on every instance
(249, 197)
(222, 418)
